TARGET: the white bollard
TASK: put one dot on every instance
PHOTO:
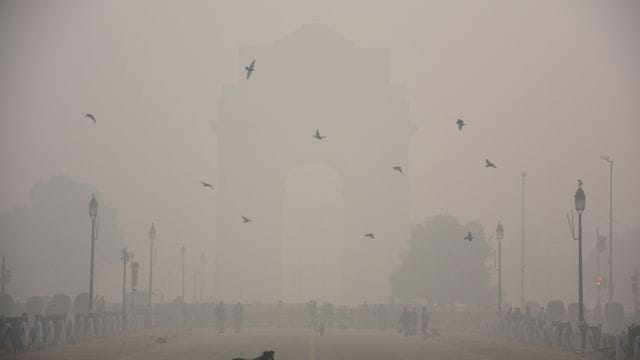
(37, 338)
(62, 332)
(90, 329)
(24, 334)
(50, 336)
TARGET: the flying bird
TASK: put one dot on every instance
(397, 168)
(370, 235)
(318, 136)
(489, 164)
(249, 69)
(245, 219)
(90, 116)
(469, 237)
(460, 123)
(205, 184)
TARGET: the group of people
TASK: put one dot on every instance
(237, 314)
(409, 321)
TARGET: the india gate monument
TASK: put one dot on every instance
(325, 82)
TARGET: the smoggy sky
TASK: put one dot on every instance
(545, 87)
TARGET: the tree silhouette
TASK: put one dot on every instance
(440, 265)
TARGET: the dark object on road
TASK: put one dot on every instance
(161, 340)
(267, 355)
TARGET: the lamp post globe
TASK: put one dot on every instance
(93, 207)
(580, 200)
(499, 232)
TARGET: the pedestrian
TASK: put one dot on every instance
(221, 316)
(424, 321)
(404, 321)
(238, 317)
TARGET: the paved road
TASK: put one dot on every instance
(298, 344)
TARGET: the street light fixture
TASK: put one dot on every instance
(609, 160)
(93, 213)
(499, 237)
(580, 203)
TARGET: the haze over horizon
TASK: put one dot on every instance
(545, 87)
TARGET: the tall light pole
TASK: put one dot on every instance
(134, 284)
(126, 256)
(580, 201)
(152, 238)
(524, 174)
(93, 213)
(499, 237)
(183, 252)
(609, 160)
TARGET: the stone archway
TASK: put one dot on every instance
(313, 234)
(311, 79)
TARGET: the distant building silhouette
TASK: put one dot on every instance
(312, 78)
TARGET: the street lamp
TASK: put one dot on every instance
(609, 160)
(126, 256)
(183, 252)
(499, 237)
(93, 213)
(152, 237)
(580, 201)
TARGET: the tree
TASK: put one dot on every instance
(50, 239)
(441, 265)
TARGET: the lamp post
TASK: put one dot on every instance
(524, 175)
(609, 160)
(152, 237)
(134, 284)
(126, 256)
(580, 206)
(499, 237)
(183, 252)
(93, 213)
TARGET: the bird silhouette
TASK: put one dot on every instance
(249, 69)
(370, 235)
(245, 219)
(469, 236)
(488, 164)
(579, 182)
(205, 184)
(460, 123)
(318, 136)
(397, 168)
(90, 116)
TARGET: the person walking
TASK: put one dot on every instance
(424, 321)
(221, 316)
(238, 317)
